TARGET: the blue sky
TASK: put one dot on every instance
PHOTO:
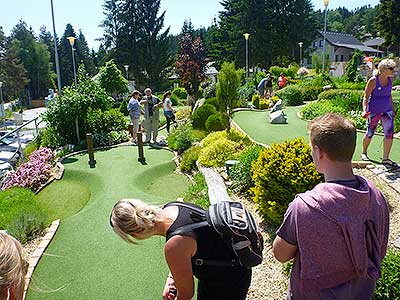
(87, 14)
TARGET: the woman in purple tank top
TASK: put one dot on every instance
(378, 106)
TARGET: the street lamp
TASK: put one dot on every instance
(71, 40)
(2, 113)
(246, 37)
(301, 53)
(126, 71)
(56, 50)
(326, 3)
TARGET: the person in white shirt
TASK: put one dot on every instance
(168, 110)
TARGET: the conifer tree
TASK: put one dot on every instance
(389, 22)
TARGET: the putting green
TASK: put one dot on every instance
(256, 125)
(86, 260)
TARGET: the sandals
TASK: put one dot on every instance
(364, 157)
(388, 163)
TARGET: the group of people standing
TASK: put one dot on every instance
(265, 87)
(149, 106)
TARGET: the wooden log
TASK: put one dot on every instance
(216, 186)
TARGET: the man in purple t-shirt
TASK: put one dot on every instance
(338, 232)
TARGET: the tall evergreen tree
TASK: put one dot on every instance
(35, 58)
(187, 28)
(66, 64)
(46, 38)
(84, 53)
(389, 22)
(12, 71)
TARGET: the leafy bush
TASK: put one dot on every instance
(98, 121)
(310, 91)
(198, 135)
(316, 109)
(332, 94)
(210, 91)
(342, 83)
(51, 138)
(265, 103)
(189, 159)
(216, 154)
(20, 214)
(213, 101)
(215, 122)
(174, 99)
(123, 108)
(179, 92)
(102, 139)
(181, 138)
(388, 286)
(255, 100)
(288, 72)
(112, 80)
(198, 192)
(182, 114)
(33, 173)
(291, 95)
(241, 172)
(233, 135)
(280, 173)
(200, 116)
(247, 91)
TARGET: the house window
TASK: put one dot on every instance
(342, 57)
(315, 44)
(336, 58)
(321, 43)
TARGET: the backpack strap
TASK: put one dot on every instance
(183, 204)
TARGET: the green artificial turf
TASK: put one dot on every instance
(256, 125)
(86, 259)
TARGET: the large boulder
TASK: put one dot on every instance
(278, 117)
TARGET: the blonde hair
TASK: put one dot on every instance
(335, 135)
(386, 64)
(133, 219)
(13, 266)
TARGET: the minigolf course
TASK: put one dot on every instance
(257, 126)
(86, 259)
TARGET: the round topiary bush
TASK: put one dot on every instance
(279, 173)
(213, 101)
(216, 154)
(180, 92)
(200, 116)
(215, 122)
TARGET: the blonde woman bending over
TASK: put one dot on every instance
(12, 268)
(135, 220)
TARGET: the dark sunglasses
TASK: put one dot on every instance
(391, 68)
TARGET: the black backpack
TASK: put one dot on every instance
(234, 224)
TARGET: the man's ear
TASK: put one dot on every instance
(318, 152)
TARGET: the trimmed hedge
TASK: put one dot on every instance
(279, 173)
(200, 116)
(291, 95)
(215, 122)
(179, 92)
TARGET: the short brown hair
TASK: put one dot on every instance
(335, 135)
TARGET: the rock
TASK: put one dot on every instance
(397, 242)
(278, 117)
(199, 103)
(327, 87)
(396, 88)
(278, 106)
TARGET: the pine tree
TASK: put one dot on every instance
(187, 28)
(84, 53)
(389, 22)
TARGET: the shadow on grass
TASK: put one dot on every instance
(69, 160)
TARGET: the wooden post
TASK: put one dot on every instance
(89, 141)
(141, 157)
(77, 131)
(130, 130)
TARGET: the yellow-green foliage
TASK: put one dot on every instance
(280, 173)
(221, 146)
(216, 154)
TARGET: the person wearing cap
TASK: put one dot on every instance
(135, 110)
(152, 105)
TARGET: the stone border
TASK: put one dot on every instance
(38, 253)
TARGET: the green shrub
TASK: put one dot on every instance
(20, 214)
(181, 138)
(112, 80)
(233, 135)
(310, 91)
(32, 146)
(50, 138)
(215, 122)
(110, 138)
(388, 286)
(180, 92)
(241, 172)
(288, 72)
(200, 116)
(316, 109)
(255, 100)
(216, 154)
(291, 95)
(123, 108)
(333, 93)
(264, 103)
(198, 192)
(198, 135)
(174, 99)
(247, 91)
(213, 101)
(189, 159)
(342, 83)
(280, 173)
(98, 121)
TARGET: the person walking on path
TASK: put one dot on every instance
(168, 110)
(13, 268)
(135, 110)
(135, 220)
(337, 232)
(152, 105)
(378, 106)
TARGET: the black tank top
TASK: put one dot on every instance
(209, 246)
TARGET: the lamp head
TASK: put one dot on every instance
(326, 3)
(301, 44)
(126, 67)
(1, 84)
(71, 40)
(246, 36)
